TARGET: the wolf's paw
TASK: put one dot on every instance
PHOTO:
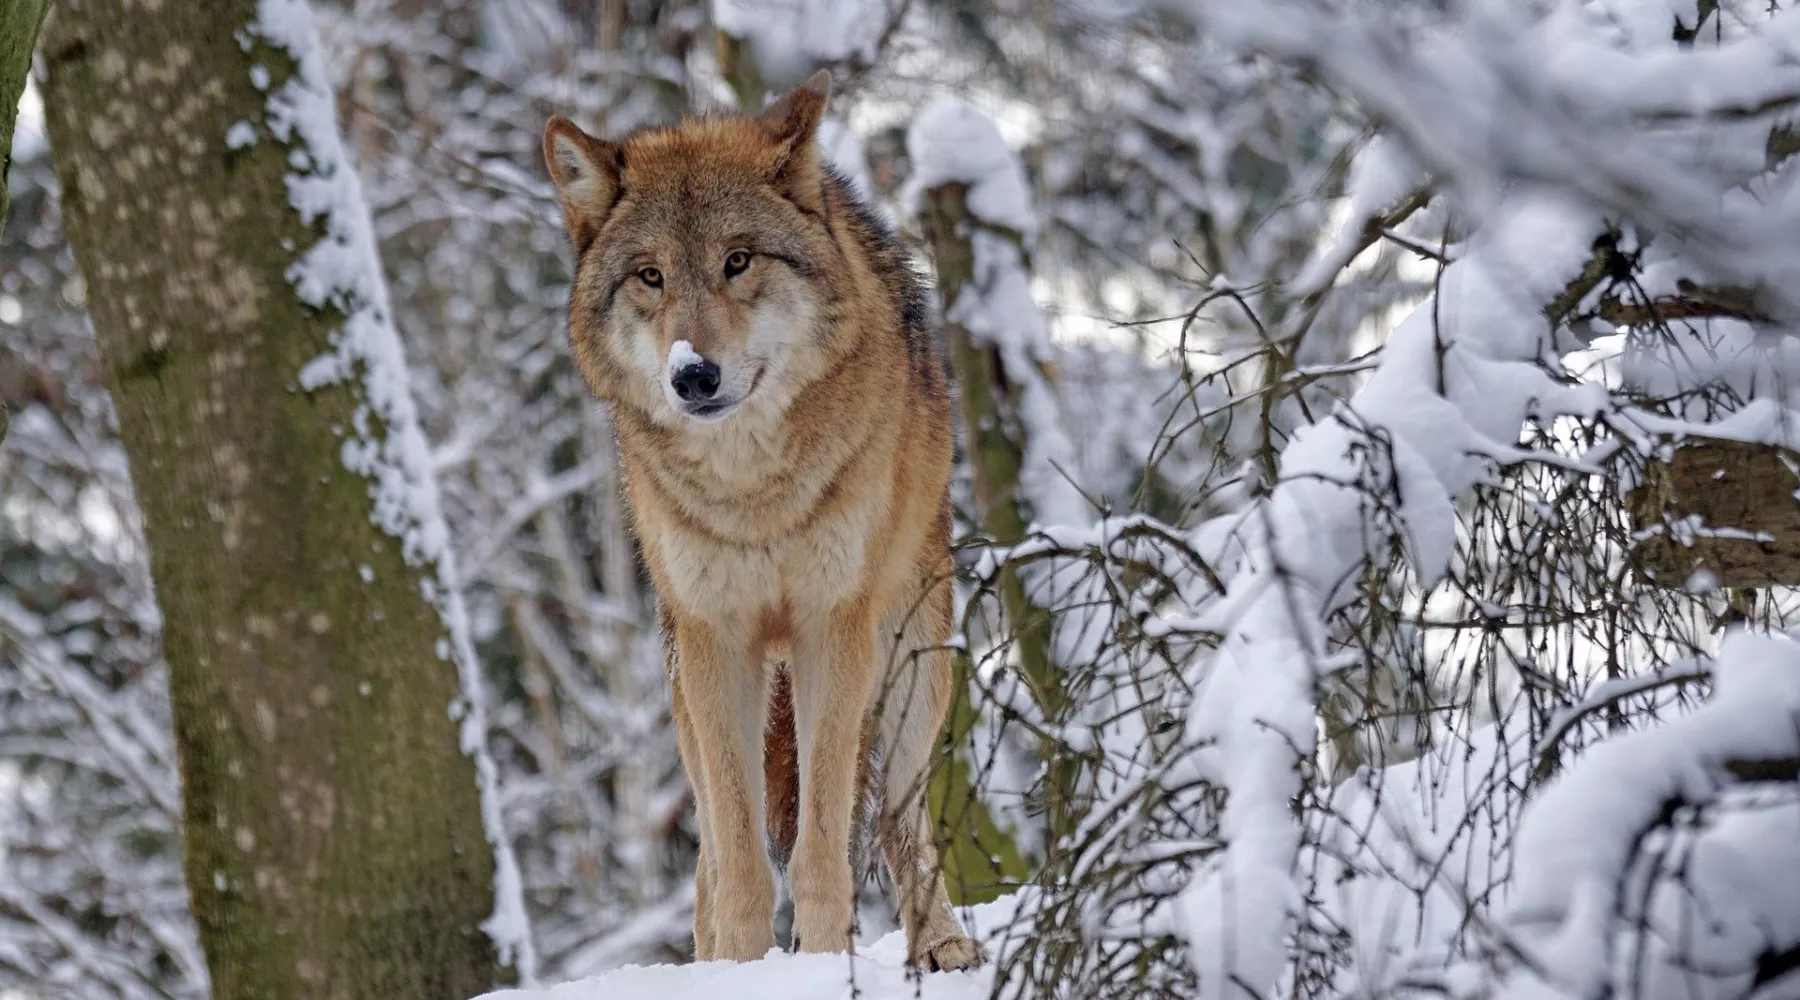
(953, 953)
(742, 944)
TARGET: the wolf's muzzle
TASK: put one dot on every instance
(697, 382)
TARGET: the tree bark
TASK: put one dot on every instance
(333, 838)
(989, 411)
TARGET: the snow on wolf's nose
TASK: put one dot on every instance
(694, 378)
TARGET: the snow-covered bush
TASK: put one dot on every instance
(1352, 672)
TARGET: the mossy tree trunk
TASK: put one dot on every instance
(995, 454)
(992, 428)
(333, 838)
(19, 23)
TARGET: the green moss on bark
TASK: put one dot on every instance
(995, 452)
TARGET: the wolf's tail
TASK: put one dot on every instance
(781, 783)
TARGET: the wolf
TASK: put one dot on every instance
(784, 434)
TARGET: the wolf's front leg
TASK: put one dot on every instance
(833, 671)
(913, 699)
(724, 693)
(705, 878)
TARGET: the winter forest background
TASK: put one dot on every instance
(1379, 534)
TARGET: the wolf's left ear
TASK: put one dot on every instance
(587, 175)
(793, 122)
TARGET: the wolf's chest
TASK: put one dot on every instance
(818, 565)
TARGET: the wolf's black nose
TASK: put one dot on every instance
(696, 383)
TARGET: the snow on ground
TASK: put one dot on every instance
(877, 973)
(790, 977)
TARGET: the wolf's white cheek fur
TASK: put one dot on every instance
(778, 334)
(645, 360)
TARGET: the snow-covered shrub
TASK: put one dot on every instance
(1317, 706)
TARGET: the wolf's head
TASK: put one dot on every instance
(707, 270)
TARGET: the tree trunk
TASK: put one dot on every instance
(19, 23)
(989, 400)
(994, 461)
(333, 832)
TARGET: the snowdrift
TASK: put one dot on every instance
(878, 972)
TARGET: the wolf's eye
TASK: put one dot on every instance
(736, 263)
(651, 276)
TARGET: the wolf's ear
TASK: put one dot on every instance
(793, 122)
(586, 172)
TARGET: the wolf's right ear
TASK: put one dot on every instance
(793, 122)
(587, 175)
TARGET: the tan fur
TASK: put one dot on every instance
(791, 538)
